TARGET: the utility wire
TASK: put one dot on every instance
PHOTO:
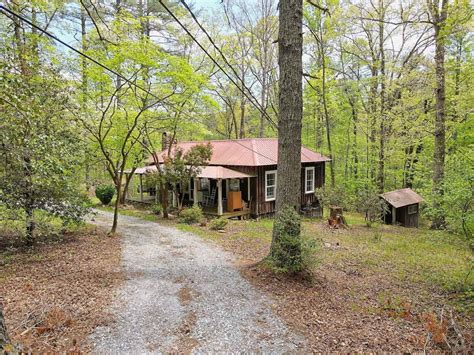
(6, 11)
(250, 98)
(224, 57)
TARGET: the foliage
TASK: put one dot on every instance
(157, 208)
(105, 193)
(291, 253)
(218, 223)
(180, 167)
(40, 152)
(371, 205)
(332, 196)
(191, 215)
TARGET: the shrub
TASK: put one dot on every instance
(332, 196)
(290, 252)
(191, 215)
(157, 208)
(218, 223)
(369, 203)
(105, 193)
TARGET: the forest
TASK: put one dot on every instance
(89, 86)
(388, 93)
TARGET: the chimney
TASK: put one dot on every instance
(164, 141)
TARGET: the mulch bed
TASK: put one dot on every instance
(54, 295)
(340, 309)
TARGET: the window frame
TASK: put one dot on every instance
(309, 168)
(412, 209)
(269, 172)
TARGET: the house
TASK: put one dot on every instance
(241, 177)
(403, 207)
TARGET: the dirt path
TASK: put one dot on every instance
(184, 294)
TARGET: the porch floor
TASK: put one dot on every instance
(212, 211)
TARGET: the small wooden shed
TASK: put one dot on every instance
(403, 207)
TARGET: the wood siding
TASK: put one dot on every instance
(406, 219)
(258, 204)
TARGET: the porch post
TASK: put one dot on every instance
(141, 187)
(394, 215)
(220, 210)
(195, 191)
(248, 190)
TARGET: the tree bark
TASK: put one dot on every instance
(440, 127)
(290, 46)
(381, 168)
(4, 339)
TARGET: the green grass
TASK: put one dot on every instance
(436, 260)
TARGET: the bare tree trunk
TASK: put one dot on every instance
(290, 47)
(381, 168)
(4, 339)
(242, 113)
(118, 189)
(326, 118)
(440, 127)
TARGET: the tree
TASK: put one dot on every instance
(39, 146)
(180, 167)
(439, 14)
(290, 50)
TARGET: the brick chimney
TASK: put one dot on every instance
(164, 141)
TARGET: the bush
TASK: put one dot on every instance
(191, 215)
(218, 223)
(332, 196)
(369, 203)
(157, 208)
(105, 193)
(290, 252)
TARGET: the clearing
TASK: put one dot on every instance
(385, 288)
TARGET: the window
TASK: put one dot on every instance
(412, 209)
(191, 189)
(270, 185)
(204, 184)
(309, 179)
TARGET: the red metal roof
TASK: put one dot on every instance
(247, 152)
(402, 197)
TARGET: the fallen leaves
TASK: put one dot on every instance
(55, 294)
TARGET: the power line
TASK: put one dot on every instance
(250, 98)
(223, 56)
(4, 9)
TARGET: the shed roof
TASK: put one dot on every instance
(209, 172)
(402, 197)
(247, 152)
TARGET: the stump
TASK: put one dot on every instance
(336, 218)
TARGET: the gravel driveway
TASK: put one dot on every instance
(184, 294)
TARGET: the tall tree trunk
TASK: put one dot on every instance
(290, 47)
(440, 128)
(242, 113)
(381, 168)
(326, 115)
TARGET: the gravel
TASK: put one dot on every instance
(184, 294)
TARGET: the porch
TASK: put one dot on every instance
(219, 191)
